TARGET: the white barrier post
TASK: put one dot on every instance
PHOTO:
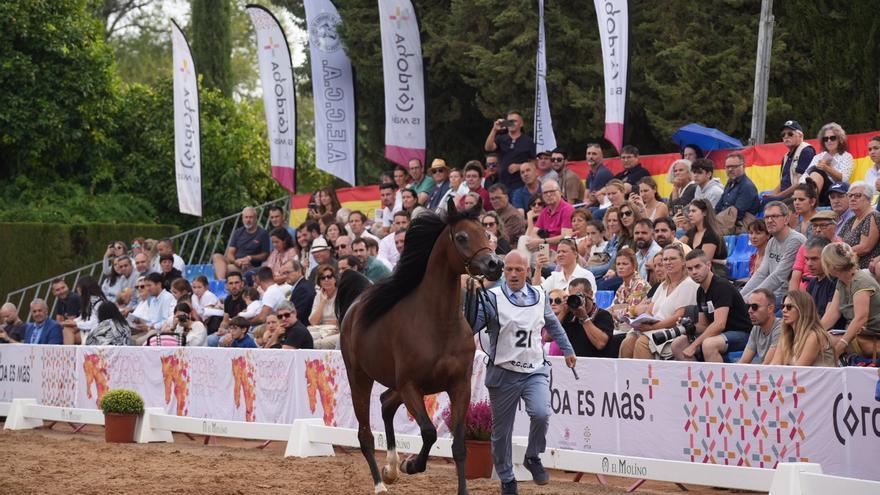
(787, 478)
(144, 431)
(299, 445)
(18, 419)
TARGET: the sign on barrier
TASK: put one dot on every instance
(737, 415)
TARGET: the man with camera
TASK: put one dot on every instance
(513, 148)
(723, 323)
(589, 327)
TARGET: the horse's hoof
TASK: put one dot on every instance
(380, 488)
(407, 465)
(388, 476)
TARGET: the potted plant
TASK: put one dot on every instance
(477, 433)
(121, 410)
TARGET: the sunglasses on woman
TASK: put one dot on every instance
(327, 277)
(556, 300)
(788, 307)
(825, 139)
(626, 213)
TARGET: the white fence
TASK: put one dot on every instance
(310, 438)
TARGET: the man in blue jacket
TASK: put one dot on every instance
(42, 329)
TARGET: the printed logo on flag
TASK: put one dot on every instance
(399, 18)
(322, 32)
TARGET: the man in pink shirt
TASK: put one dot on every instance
(555, 217)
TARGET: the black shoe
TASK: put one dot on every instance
(539, 474)
(509, 488)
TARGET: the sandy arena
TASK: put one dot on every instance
(53, 461)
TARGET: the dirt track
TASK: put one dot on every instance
(56, 461)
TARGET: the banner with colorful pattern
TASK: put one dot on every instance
(738, 415)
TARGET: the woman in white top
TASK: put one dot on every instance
(90, 294)
(649, 199)
(668, 304)
(323, 312)
(834, 160)
(195, 331)
(567, 270)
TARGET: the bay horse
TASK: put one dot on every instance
(408, 332)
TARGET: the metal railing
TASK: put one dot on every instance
(195, 246)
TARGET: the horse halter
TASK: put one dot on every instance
(467, 260)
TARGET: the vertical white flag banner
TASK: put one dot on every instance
(279, 99)
(187, 146)
(544, 138)
(613, 20)
(404, 82)
(333, 92)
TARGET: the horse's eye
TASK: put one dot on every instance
(461, 237)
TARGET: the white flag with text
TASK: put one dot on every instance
(187, 146)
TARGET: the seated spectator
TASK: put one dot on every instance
(598, 176)
(628, 217)
(272, 333)
(350, 262)
(555, 217)
(646, 248)
(758, 238)
(471, 200)
(385, 214)
(544, 169)
(805, 202)
(387, 249)
(822, 224)
(580, 218)
(167, 270)
(802, 339)
(260, 334)
(206, 304)
(531, 187)
(91, 296)
(656, 274)
(67, 303)
(683, 186)
(194, 333)
(833, 163)
(633, 171)
(795, 162)
(278, 220)
(139, 311)
(116, 249)
(166, 247)
(251, 297)
(440, 174)
(558, 299)
(292, 334)
(42, 329)
(374, 269)
(13, 330)
(567, 270)
(357, 225)
(593, 244)
(821, 287)
(573, 187)
(411, 203)
(664, 234)
(589, 327)
(327, 202)
(342, 247)
(248, 247)
(302, 292)
(273, 294)
(707, 187)
(649, 200)
(143, 264)
(473, 173)
(112, 329)
(283, 250)
(861, 230)
(238, 335)
(332, 234)
(857, 299)
(457, 189)
(739, 202)
(632, 290)
(421, 182)
(121, 278)
(676, 292)
(706, 236)
(774, 272)
(157, 309)
(493, 224)
(723, 324)
(321, 253)
(137, 245)
(764, 336)
(323, 311)
(599, 264)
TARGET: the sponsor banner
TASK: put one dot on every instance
(613, 20)
(738, 415)
(404, 82)
(187, 144)
(544, 138)
(333, 92)
(279, 99)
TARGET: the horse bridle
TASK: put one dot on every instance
(466, 260)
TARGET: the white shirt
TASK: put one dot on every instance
(160, 309)
(275, 295)
(388, 250)
(201, 305)
(842, 162)
(252, 310)
(665, 305)
(872, 175)
(178, 264)
(197, 336)
(557, 279)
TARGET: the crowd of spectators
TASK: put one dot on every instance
(811, 296)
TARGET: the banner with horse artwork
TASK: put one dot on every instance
(732, 414)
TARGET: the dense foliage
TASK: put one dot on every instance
(211, 43)
(121, 401)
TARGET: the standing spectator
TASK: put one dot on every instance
(513, 148)
(764, 336)
(632, 290)
(302, 292)
(545, 170)
(861, 231)
(704, 235)
(248, 247)
(598, 176)
(387, 249)
(708, 187)
(112, 328)
(278, 220)
(531, 187)
(739, 202)
(649, 199)
(473, 173)
(802, 340)
(646, 247)
(568, 269)
(774, 272)
(514, 223)
(573, 188)
(723, 324)
(283, 250)
(492, 223)
(822, 228)
(633, 171)
(67, 303)
(421, 183)
(440, 175)
(589, 328)
(165, 247)
(42, 329)
(294, 334)
(794, 163)
(374, 269)
(683, 186)
(13, 329)
(857, 299)
(491, 178)
(555, 217)
(91, 296)
(323, 312)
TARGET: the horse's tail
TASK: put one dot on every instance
(351, 285)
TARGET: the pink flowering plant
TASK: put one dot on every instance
(477, 423)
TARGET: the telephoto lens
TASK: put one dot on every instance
(575, 301)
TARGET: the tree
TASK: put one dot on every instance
(211, 43)
(120, 15)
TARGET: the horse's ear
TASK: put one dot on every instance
(450, 205)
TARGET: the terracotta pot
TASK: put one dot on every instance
(478, 463)
(119, 428)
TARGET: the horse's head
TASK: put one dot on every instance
(470, 251)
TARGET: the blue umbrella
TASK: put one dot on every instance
(707, 138)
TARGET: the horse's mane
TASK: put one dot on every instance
(421, 237)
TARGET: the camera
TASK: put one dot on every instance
(183, 318)
(313, 206)
(575, 301)
(543, 234)
(685, 326)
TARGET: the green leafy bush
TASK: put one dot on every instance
(122, 401)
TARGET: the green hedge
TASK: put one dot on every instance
(31, 252)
